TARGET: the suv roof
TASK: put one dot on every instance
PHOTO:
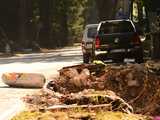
(92, 25)
(114, 21)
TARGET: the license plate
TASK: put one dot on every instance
(117, 50)
(89, 46)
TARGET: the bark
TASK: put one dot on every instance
(156, 38)
(9, 21)
(45, 22)
(105, 9)
(156, 46)
(22, 22)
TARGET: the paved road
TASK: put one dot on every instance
(45, 63)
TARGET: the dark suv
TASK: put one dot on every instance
(118, 39)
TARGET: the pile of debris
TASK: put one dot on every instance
(125, 80)
(86, 99)
(89, 84)
(138, 84)
(79, 115)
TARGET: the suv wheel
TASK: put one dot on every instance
(119, 58)
(86, 58)
(139, 56)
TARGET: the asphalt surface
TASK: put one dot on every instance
(47, 64)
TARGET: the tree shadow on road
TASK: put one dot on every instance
(53, 58)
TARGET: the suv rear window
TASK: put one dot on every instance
(116, 27)
(92, 31)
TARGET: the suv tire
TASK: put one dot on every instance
(118, 58)
(86, 58)
(139, 56)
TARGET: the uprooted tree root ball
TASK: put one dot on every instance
(96, 86)
(86, 99)
(138, 84)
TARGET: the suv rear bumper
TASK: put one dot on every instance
(129, 52)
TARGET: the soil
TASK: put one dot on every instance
(127, 88)
(78, 115)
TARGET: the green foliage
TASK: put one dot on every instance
(76, 18)
(67, 21)
(50, 23)
(53, 22)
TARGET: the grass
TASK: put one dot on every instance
(71, 115)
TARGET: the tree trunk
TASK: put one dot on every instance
(23, 22)
(91, 12)
(45, 22)
(156, 37)
(156, 46)
(105, 9)
(9, 21)
(64, 26)
(30, 24)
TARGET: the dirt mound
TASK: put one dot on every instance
(138, 84)
(78, 115)
(87, 99)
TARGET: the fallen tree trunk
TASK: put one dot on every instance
(25, 80)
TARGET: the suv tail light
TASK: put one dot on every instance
(97, 42)
(136, 39)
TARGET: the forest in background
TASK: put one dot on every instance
(51, 23)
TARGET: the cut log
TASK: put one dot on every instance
(25, 80)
